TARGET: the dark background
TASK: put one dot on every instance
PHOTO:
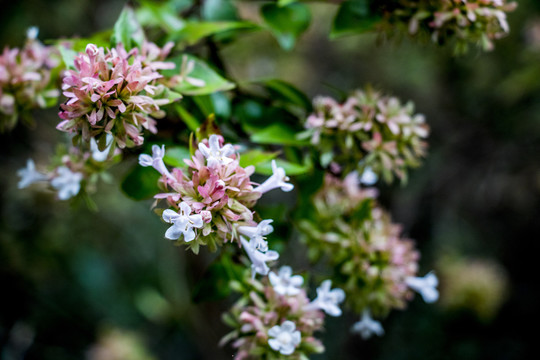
(71, 278)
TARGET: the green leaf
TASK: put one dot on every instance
(353, 17)
(161, 15)
(278, 133)
(217, 103)
(141, 183)
(255, 157)
(286, 23)
(284, 91)
(68, 56)
(192, 32)
(286, 2)
(127, 30)
(219, 10)
(213, 81)
(289, 167)
(175, 155)
(188, 119)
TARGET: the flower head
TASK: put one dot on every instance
(376, 133)
(271, 325)
(284, 338)
(367, 327)
(26, 79)
(183, 223)
(426, 286)
(284, 282)
(113, 91)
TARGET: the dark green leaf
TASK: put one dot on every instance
(287, 23)
(217, 103)
(353, 17)
(214, 283)
(141, 183)
(215, 10)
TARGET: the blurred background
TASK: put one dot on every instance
(105, 285)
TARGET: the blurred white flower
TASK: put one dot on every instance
(67, 182)
(327, 299)
(425, 286)
(29, 175)
(284, 338)
(284, 283)
(367, 326)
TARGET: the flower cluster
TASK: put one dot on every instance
(463, 21)
(115, 92)
(211, 201)
(276, 320)
(71, 170)
(26, 80)
(375, 265)
(368, 130)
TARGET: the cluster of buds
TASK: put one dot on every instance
(211, 201)
(71, 170)
(115, 92)
(377, 267)
(368, 130)
(463, 21)
(276, 320)
(26, 80)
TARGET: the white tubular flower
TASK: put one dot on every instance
(156, 160)
(367, 326)
(258, 258)
(256, 234)
(368, 177)
(328, 300)
(284, 338)
(284, 283)
(29, 175)
(216, 155)
(97, 154)
(277, 180)
(67, 183)
(425, 286)
(183, 223)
